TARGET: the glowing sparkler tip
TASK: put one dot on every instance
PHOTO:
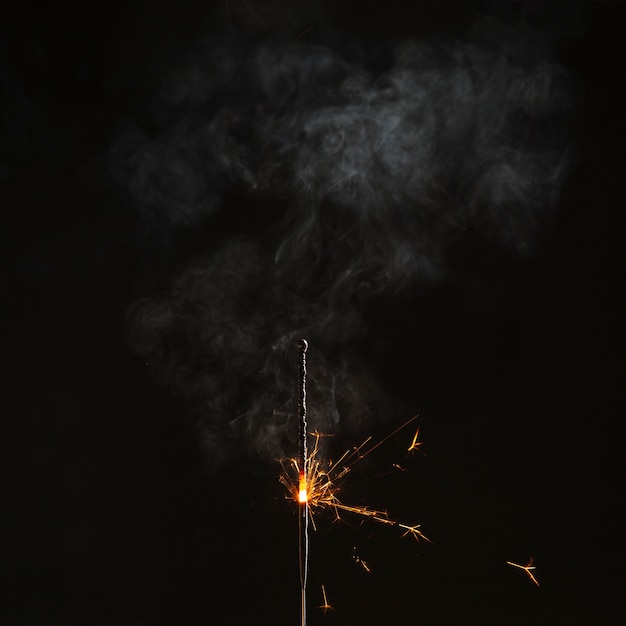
(303, 493)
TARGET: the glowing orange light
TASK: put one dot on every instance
(303, 494)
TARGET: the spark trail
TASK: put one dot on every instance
(325, 606)
(526, 568)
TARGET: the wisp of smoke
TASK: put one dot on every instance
(376, 176)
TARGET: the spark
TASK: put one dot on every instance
(527, 569)
(415, 444)
(304, 32)
(316, 484)
(320, 484)
(362, 563)
(325, 606)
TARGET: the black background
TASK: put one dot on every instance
(112, 515)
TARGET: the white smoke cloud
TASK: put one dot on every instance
(374, 175)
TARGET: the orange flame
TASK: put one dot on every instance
(303, 495)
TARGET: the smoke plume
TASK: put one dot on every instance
(321, 185)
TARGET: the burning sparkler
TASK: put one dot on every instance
(323, 483)
(316, 484)
(303, 495)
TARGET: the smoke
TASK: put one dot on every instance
(321, 185)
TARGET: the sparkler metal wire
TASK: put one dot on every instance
(303, 524)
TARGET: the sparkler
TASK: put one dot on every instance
(303, 499)
(315, 485)
(318, 483)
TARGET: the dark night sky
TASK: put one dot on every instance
(115, 507)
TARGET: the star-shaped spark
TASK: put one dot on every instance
(526, 568)
(325, 606)
(415, 444)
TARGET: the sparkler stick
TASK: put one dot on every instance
(318, 483)
(303, 525)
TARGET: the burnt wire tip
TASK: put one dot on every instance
(302, 348)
